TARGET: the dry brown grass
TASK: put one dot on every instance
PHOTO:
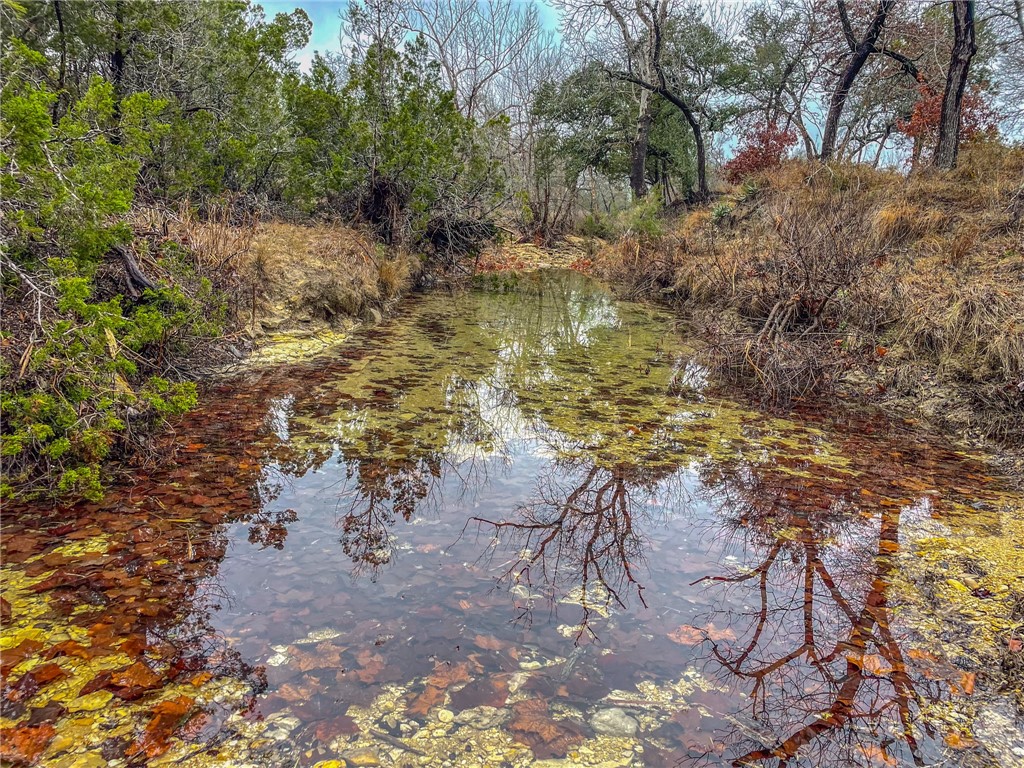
(321, 273)
(835, 268)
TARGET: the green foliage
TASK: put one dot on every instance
(643, 219)
(720, 212)
(749, 190)
(384, 143)
(80, 361)
(596, 225)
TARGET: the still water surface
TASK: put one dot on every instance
(499, 529)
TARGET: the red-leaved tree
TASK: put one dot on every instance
(977, 118)
(764, 146)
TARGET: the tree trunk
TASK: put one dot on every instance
(137, 281)
(964, 48)
(698, 139)
(62, 71)
(662, 90)
(638, 154)
(860, 51)
(118, 57)
(702, 163)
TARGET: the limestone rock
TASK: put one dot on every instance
(364, 757)
(483, 717)
(614, 722)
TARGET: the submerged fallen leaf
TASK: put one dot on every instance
(488, 643)
(967, 680)
(876, 755)
(446, 675)
(427, 699)
(532, 725)
(14, 656)
(871, 663)
(167, 717)
(959, 741)
(21, 746)
(487, 691)
(371, 665)
(328, 730)
(133, 682)
(690, 635)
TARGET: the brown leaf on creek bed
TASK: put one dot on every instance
(12, 658)
(446, 674)
(22, 745)
(327, 731)
(51, 713)
(48, 673)
(871, 663)
(59, 579)
(201, 679)
(324, 656)
(690, 635)
(371, 665)
(423, 702)
(167, 717)
(532, 725)
(875, 755)
(68, 648)
(956, 741)
(488, 643)
(298, 691)
(134, 645)
(102, 680)
(967, 680)
(131, 683)
(30, 683)
(491, 691)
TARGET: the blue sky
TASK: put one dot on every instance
(325, 15)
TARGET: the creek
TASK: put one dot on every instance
(518, 526)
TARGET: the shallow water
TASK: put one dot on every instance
(506, 527)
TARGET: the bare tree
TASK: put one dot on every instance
(1003, 21)
(641, 28)
(964, 48)
(860, 50)
(475, 44)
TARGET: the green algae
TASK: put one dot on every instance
(556, 359)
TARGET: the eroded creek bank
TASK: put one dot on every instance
(515, 528)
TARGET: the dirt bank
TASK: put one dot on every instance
(310, 286)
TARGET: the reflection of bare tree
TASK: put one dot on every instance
(582, 531)
(825, 672)
(379, 494)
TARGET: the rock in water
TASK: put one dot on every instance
(365, 757)
(483, 717)
(614, 722)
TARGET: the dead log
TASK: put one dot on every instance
(137, 281)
